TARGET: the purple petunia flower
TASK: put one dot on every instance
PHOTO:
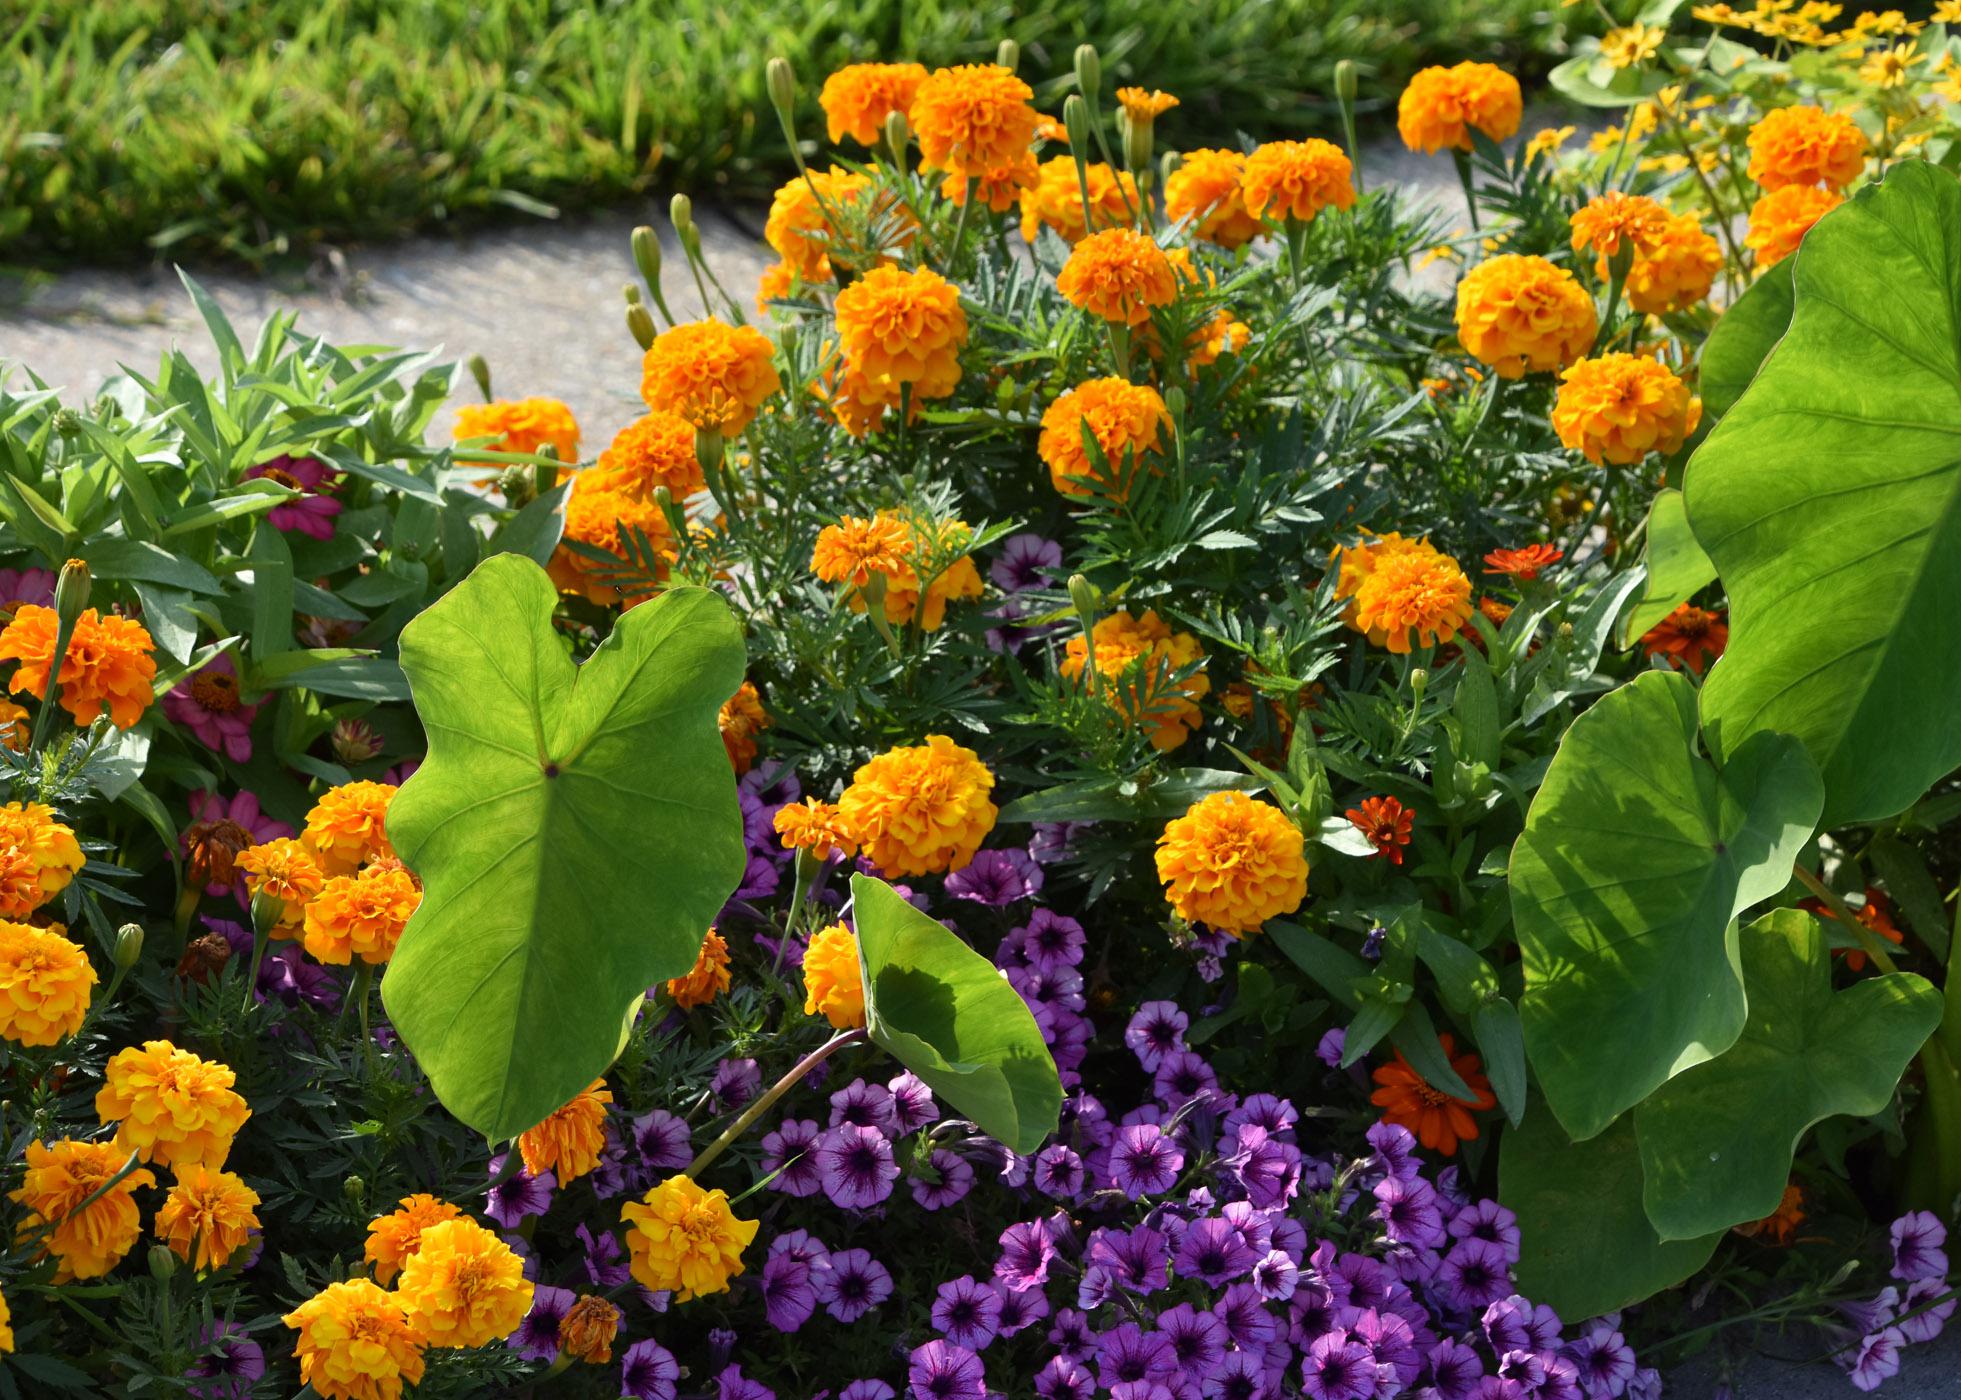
(1409, 1212)
(1051, 842)
(944, 1371)
(1020, 1310)
(1456, 1370)
(1268, 1170)
(912, 1103)
(1058, 1172)
(1604, 1359)
(232, 1363)
(1918, 1240)
(967, 1312)
(1026, 561)
(1182, 1076)
(1395, 1150)
(854, 1285)
(1487, 1220)
(648, 1371)
(536, 1338)
(790, 1153)
(956, 1180)
(1475, 1274)
(995, 878)
(857, 1166)
(1198, 1340)
(519, 1195)
(604, 1260)
(1214, 1251)
(788, 1297)
(865, 1106)
(731, 1384)
(1156, 1032)
(1338, 1367)
(1927, 1325)
(868, 1390)
(1065, 1378)
(1276, 1276)
(1240, 1377)
(736, 1082)
(1143, 1161)
(1331, 1048)
(1070, 1334)
(1517, 1324)
(662, 1140)
(1137, 1260)
(1127, 1354)
(1026, 1251)
(208, 705)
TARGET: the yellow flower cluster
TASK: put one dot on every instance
(685, 1240)
(1295, 180)
(1231, 863)
(171, 1106)
(340, 886)
(1135, 659)
(834, 985)
(741, 718)
(462, 1286)
(920, 810)
(355, 1342)
(46, 981)
(39, 856)
(361, 915)
(900, 329)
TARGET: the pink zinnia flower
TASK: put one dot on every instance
(208, 705)
(313, 513)
(19, 586)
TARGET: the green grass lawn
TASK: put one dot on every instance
(254, 128)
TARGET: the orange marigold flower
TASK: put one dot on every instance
(1518, 314)
(108, 665)
(171, 1106)
(814, 826)
(15, 730)
(1000, 189)
(1439, 1120)
(778, 282)
(1780, 220)
(595, 513)
(1780, 1227)
(1354, 563)
(392, 1238)
(858, 97)
(1524, 564)
(207, 1216)
(1055, 199)
(799, 223)
(854, 549)
(286, 871)
(1617, 408)
(1143, 105)
(1231, 863)
(1386, 822)
(570, 1141)
(741, 718)
(521, 425)
(1874, 914)
(587, 1331)
(463, 1286)
(87, 1242)
(46, 982)
(1442, 106)
(1674, 267)
(654, 450)
(713, 375)
(1224, 334)
(1806, 146)
(684, 1239)
(1690, 638)
(1296, 179)
(937, 546)
(355, 1342)
(39, 856)
(834, 986)
(348, 826)
(920, 810)
(1144, 696)
(1118, 274)
(1405, 593)
(707, 979)
(1496, 611)
(361, 915)
(1123, 418)
(972, 119)
(1607, 220)
(1204, 189)
(897, 327)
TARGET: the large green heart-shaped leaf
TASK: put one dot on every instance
(575, 828)
(1716, 1140)
(1677, 567)
(1636, 858)
(1743, 340)
(948, 1014)
(1829, 498)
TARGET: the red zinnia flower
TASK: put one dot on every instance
(1386, 822)
(1690, 638)
(1523, 564)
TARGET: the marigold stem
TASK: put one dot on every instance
(768, 1097)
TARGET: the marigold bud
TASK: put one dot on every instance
(1008, 55)
(163, 1263)
(71, 591)
(267, 910)
(1075, 117)
(1083, 594)
(1089, 69)
(1345, 85)
(681, 211)
(898, 133)
(640, 325)
(782, 84)
(480, 371)
(129, 946)
(355, 1190)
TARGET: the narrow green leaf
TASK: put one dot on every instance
(1677, 567)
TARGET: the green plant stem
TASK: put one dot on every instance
(51, 694)
(768, 1098)
(362, 993)
(1874, 946)
(1463, 164)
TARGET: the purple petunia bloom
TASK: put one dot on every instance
(1026, 561)
(1332, 1047)
(1918, 1240)
(1198, 1340)
(1475, 1274)
(208, 705)
(1487, 1220)
(1026, 1251)
(1276, 1276)
(1456, 1370)
(1392, 1342)
(1338, 1367)
(967, 1312)
(662, 1140)
(1517, 1324)
(1395, 1150)
(1156, 1032)
(1875, 1360)
(1604, 1359)
(604, 1260)
(1065, 1378)
(1127, 1354)
(1182, 1076)
(1051, 842)
(790, 1153)
(868, 1390)
(1247, 1321)
(787, 1280)
(536, 1338)
(865, 1106)
(1138, 1260)
(1267, 1169)
(1021, 1310)
(944, 1371)
(736, 1082)
(996, 878)
(956, 1180)
(854, 1285)
(1927, 1325)
(912, 1103)
(731, 1384)
(1409, 1212)
(1214, 1251)
(230, 1366)
(1240, 1377)
(857, 1166)
(1058, 1172)
(519, 1195)
(1070, 1334)
(648, 1371)
(1143, 1161)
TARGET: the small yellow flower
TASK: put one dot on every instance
(834, 984)
(1890, 68)
(355, 1342)
(46, 982)
(463, 1286)
(285, 870)
(685, 1240)
(1548, 140)
(1143, 105)
(1633, 45)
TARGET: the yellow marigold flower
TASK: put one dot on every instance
(833, 982)
(1122, 417)
(570, 1141)
(108, 664)
(6, 1326)
(463, 1286)
(1518, 313)
(654, 450)
(972, 119)
(587, 1331)
(684, 1240)
(1607, 220)
(1001, 188)
(1618, 408)
(707, 979)
(1674, 267)
(1410, 595)
(521, 425)
(1146, 696)
(799, 223)
(1296, 179)
(814, 826)
(920, 810)
(854, 549)
(1119, 275)
(86, 1242)
(39, 856)
(897, 327)
(170, 1105)
(355, 1342)
(1142, 105)
(1806, 146)
(45, 982)
(348, 826)
(741, 718)
(392, 1238)
(1442, 106)
(1055, 199)
(859, 97)
(1204, 189)
(361, 916)
(595, 512)
(207, 1216)
(1780, 220)
(1231, 863)
(714, 376)
(1632, 45)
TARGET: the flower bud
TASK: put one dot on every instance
(898, 134)
(129, 946)
(677, 520)
(640, 325)
(681, 210)
(782, 85)
(1075, 117)
(355, 741)
(355, 1191)
(1419, 681)
(163, 1263)
(516, 484)
(708, 451)
(480, 371)
(1008, 55)
(646, 254)
(67, 422)
(71, 591)
(1083, 594)
(1089, 69)
(1345, 86)
(1174, 404)
(266, 910)
(1137, 144)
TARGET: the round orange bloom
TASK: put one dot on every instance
(860, 96)
(355, 1342)
(207, 1216)
(1296, 179)
(286, 871)
(854, 549)
(1439, 1120)
(570, 1141)
(108, 665)
(1674, 267)
(1524, 564)
(741, 718)
(46, 982)
(1442, 106)
(1386, 823)
(361, 915)
(1356, 562)
(972, 119)
(1224, 334)
(1618, 408)
(1118, 274)
(920, 810)
(941, 547)
(898, 327)
(595, 513)
(1607, 220)
(1780, 220)
(1140, 105)
(15, 730)
(1690, 638)
(523, 425)
(392, 1238)
(684, 1239)
(1806, 146)
(1518, 313)
(1145, 696)
(834, 985)
(39, 857)
(171, 1106)
(348, 826)
(1405, 592)
(714, 376)
(1122, 417)
(1875, 914)
(1000, 189)
(814, 826)
(778, 282)
(1055, 199)
(86, 1242)
(463, 1286)
(586, 1333)
(1231, 863)
(707, 979)
(1205, 190)
(799, 226)
(654, 450)
(1780, 1227)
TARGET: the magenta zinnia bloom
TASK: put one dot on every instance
(18, 586)
(313, 512)
(208, 705)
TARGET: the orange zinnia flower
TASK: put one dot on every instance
(108, 665)
(1690, 637)
(1874, 914)
(1386, 822)
(1439, 1120)
(1523, 564)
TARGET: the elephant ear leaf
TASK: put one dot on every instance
(948, 1014)
(576, 829)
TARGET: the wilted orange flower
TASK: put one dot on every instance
(799, 223)
(654, 450)
(348, 826)
(463, 1286)
(1875, 914)
(834, 987)
(1780, 220)
(1780, 1227)
(355, 1342)
(45, 984)
(1205, 190)
(171, 1106)
(1055, 200)
(1000, 189)
(814, 826)
(897, 327)
(1617, 408)
(684, 1239)
(1674, 267)
(1518, 313)
(1386, 822)
(1439, 1120)
(286, 871)
(1405, 593)
(714, 376)
(39, 857)
(1142, 105)
(87, 1242)
(587, 1331)
(570, 1141)
(1806, 146)
(741, 718)
(920, 810)
(207, 1216)
(859, 97)
(595, 513)
(854, 549)
(392, 1238)
(972, 119)
(1296, 180)
(1118, 274)
(1691, 638)
(1123, 418)
(1523, 564)
(1146, 697)
(1607, 220)
(1442, 106)
(1231, 863)
(521, 425)
(361, 915)
(108, 665)
(707, 979)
